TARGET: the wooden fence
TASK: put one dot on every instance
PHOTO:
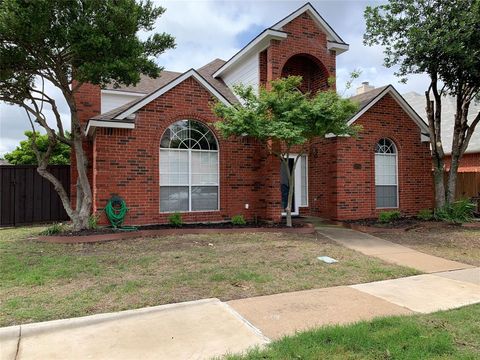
(468, 185)
(28, 198)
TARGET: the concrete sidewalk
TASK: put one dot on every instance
(192, 330)
(388, 251)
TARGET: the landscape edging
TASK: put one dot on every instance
(307, 229)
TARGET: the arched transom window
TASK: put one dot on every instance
(386, 171)
(188, 168)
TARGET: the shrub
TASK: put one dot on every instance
(388, 216)
(457, 212)
(93, 221)
(238, 220)
(175, 219)
(425, 214)
(53, 229)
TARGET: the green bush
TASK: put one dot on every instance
(238, 220)
(53, 229)
(93, 221)
(175, 219)
(388, 216)
(425, 214)
(457, 212)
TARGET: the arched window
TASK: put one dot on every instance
(188, 168)
(386, 179)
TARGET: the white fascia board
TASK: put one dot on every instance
(257, 45)
(331, 34)
(93, 124)
(169, 86)
(337, 47)
(122, 92)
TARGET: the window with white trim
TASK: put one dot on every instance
(188, 168)
(386, 174)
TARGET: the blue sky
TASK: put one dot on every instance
(205, 30)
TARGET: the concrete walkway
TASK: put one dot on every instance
(207, 328)
(388, 251)
(192, 330)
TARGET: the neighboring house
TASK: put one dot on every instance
(4, 162)
(153, 144)
(470, 161)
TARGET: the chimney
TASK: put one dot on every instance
(364, 88)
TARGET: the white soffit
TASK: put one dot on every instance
(122, 92)
(93, 124)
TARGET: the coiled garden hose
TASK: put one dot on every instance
(116, 210)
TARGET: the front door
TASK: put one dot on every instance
(300, 187)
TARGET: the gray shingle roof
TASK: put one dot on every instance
(146, 84)
(417, 102)
(207, 72)
(153, 85)
(365, 98)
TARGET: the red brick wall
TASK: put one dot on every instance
(355, 170)
(469, 162)
(127, 163)
(314, 75)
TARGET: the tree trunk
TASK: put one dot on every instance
(84, 193)
(291, 185)
(434, 116)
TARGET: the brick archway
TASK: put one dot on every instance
(314, 73)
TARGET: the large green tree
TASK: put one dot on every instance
(286, 120)
(25, 153)
(66, 43)
(440, 38)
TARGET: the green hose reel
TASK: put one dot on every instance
(116, 211)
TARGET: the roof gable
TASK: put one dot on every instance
(319, 20)
(370, 98)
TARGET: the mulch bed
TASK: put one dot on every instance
(109, 234)
(402, 225)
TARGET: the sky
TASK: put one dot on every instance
(207, 29)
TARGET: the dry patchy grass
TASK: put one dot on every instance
(41, 281)
(447, 241)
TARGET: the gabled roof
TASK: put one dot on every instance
(331, 34)
(121, 116)
(207, 72)
(370, 98)
(275, 32)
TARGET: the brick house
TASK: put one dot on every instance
(152, 143)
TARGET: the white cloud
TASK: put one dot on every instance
(205, 30)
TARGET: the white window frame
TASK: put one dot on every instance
(396, 175)
(190, 185)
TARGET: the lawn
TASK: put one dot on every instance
(453, 334)
(40, 281)
(447, 241)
